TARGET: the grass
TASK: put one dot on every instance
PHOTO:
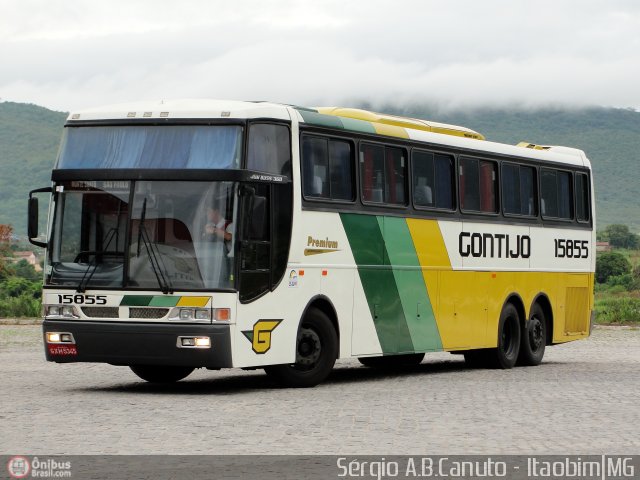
(614, 306)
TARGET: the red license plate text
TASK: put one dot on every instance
(63, 350)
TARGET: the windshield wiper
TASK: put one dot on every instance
(155, 258)
(113, 232)
(93, 266)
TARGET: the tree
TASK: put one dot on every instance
(5, 240)
(24, 269)
(5, 270)
(619, 236)
(5, 233)
(611, 264)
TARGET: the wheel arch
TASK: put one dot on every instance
(545, 304)
(516, 300)
(325, 305)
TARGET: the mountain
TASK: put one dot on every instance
(610, 138)
(29, 137)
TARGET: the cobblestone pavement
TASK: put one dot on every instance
(584, 398)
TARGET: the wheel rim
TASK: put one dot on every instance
(309, 348)
(536, 334)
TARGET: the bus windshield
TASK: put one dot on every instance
(151, 146)
(153, 235)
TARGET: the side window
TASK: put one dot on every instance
(269, 149)
(432, 180)
(556, 200)
(315, 167)
(341, 170)
(583, 208)
(478, 185)
(383, 174)
(327, 168)
(519, 190)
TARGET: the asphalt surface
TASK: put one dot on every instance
(583, 399)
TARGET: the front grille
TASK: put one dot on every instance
(147, 313)
(101, 312)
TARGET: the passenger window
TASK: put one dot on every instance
(519, 190)
(327, 166)
(556, 201)
(269, 149)
(315, 167)
(582, 198)
(432, 180)
(383, 174)
(341, 170)
(478, 185)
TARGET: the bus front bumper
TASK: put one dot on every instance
(120, 343)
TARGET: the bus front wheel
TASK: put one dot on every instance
(161, 373)
(316, 353)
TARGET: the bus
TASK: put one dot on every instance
(221, 234)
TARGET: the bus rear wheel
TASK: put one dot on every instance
(392, 361)
(534, 338)
(161, 373)
(316, 353)
(505, 354)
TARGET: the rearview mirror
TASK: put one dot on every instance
(33, 212)
(32, 227)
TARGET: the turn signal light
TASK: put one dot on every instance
(222, 314)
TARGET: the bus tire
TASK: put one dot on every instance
(316, 353)
(392, 361)
(161, 373)
(505, 354)
(534, 338)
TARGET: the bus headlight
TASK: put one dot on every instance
(194, 342)
(60, 337)
(190, 314)
(61, 311)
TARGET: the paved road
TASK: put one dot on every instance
(585, 398)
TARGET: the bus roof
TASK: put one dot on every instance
(364, 121)
(183, 109)
(349, 119)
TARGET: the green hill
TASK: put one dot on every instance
(29, 137)
(610, 138)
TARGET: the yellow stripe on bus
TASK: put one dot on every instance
(193, 302)
(390, 130)
(429, 243)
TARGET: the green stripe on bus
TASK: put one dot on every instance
(417, 307)
(164, 301)
(314, 118)
(136, 300)
(378, 281)
(357, 125)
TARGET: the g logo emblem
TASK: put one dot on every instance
(260, 336)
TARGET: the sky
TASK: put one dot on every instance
(73, 54)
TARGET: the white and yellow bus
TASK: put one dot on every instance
(217, 234)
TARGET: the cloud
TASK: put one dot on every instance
(74, 54)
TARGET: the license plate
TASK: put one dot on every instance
(63, 350)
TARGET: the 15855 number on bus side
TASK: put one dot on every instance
(567, 248)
